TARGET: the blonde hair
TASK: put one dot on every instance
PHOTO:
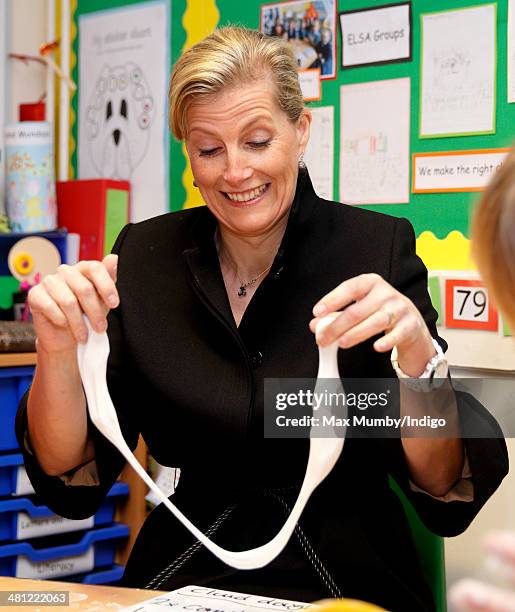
(493, 238)
(230, 56)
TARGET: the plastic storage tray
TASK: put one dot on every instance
(62, 555)
(22, 518)
(13, 384)
(110, 575)
(13, 477)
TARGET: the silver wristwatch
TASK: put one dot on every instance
(431, 378)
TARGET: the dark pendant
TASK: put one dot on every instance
(242, 291)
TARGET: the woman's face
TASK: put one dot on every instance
(244, 153)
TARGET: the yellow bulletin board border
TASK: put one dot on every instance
(415, 156)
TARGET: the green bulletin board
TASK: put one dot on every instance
(439, 213)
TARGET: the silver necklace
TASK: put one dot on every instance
(242, 291)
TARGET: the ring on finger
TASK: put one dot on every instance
(390, 316)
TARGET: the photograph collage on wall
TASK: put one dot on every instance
(309, 27)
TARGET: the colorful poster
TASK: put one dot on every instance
(319, 156)
(457, 95)
(376, 35)
(374, 142)
(124, 67)
(309, 27)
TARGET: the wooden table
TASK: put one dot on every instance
(11, 360)
(91, 597)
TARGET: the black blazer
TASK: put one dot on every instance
(183, 375)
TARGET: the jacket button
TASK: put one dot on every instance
(256, 360)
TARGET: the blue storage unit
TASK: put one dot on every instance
(13, 384)
(32, 559)
(10, 465)
(22, 518)
(63, 550)
(110, 575)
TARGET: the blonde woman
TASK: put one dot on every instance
(210, 302)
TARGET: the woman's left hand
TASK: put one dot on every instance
(371, 306)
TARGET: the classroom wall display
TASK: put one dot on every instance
(374, 142)
(440, 219)
(511, 51)
(437, 213)
(376, 35)
(454, 171)
(309, 27)
(319, 154)
(475, 331)
(458, 72)
(124, 67)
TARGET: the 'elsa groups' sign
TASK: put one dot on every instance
(376, 36)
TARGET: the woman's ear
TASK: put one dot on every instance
(303, 128)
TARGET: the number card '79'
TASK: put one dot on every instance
(468, 305)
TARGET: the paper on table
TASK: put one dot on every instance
(124, 70)
(207, 599)
(511, 51)
(166, 478)
(323, 452)
(374, 142)
(319, 155)
(458, 72)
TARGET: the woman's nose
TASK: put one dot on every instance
(236, 169)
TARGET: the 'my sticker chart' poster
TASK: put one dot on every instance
(123, 73)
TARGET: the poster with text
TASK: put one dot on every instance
(124, 68)
(310, 29)
(376, 35)
(374, 142)
(458, 72)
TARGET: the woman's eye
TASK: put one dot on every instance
(259, 144)
(207, 152)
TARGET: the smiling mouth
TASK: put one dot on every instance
(246, 196)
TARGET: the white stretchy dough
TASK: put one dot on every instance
(323, 452)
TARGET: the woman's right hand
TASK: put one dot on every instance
(60, 300)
